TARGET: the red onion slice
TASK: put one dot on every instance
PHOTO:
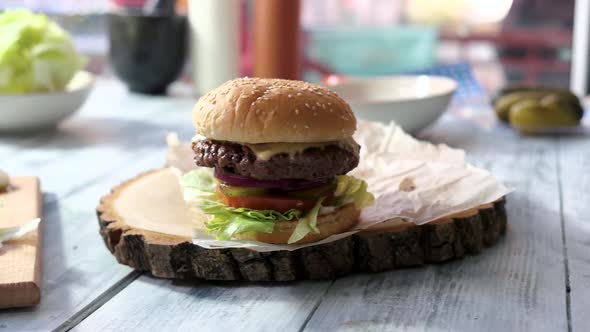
(284, 184)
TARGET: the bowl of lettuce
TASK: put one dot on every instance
(41, 76)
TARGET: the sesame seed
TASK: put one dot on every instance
(253, 103)
(299, 93)
(313, 107)
(294, 126)
(296, 111)
(331, 110)
(315, 113)
(317, 103)
(289, 96)
(306, 126)
(265, 98)
(307, 105)
(324, 106)
(329, 104)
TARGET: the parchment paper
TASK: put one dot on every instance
(411, 179)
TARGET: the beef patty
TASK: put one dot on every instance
(314, 163)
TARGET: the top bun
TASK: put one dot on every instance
(259, 110)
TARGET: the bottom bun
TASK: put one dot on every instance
(341, 220)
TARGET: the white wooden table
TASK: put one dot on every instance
(537, 278)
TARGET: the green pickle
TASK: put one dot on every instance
(505, 103)
(529, 114)
(508, 89)
(233, 191)
(558, 101)
(535, 108)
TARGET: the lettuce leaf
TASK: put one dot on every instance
(199, 188)
(36, 55)
(198, 184)
(350, 189)
(228, 221)
(307, 224)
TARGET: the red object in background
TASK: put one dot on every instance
(532, 42)
(245, 42)
(277, 46)
(129, 3)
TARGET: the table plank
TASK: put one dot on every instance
(574, 165)
(206, 307)
(77, 267)
(516, 285)
(11, 144)
(125, 142)
(132, 126)
(79, 163)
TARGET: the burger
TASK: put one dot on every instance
(274, 155)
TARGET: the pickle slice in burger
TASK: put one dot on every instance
(232, 191)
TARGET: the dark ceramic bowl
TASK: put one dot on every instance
(147, 52)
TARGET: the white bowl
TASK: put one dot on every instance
(32, 111)
(413, 102)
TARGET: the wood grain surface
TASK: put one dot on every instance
(514, 286)
(77, 270)
(574, 163)
(20, 263)
(393, 244)
(518, 284)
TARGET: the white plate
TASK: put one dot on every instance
(413, 102)
(28, 112)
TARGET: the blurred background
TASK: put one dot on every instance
(496, 41)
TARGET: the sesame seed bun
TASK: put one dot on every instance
(257, 110)
(339, 221)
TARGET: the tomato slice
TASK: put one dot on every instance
(276, 203)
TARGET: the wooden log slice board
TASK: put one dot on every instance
(131, 214)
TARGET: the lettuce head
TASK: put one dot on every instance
(36, 55)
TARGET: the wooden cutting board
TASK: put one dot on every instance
(20, 265)
(129, 218)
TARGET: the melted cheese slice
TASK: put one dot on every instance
(265, 151)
